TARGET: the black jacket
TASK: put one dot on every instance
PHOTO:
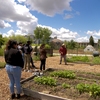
(27, 49)
(14, 57)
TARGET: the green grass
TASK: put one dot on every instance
(2, 64)
(78, 58)
(96, 60)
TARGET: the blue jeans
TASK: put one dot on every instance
(14, 74)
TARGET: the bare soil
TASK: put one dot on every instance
(52, 62)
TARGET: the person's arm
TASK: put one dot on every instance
(60, 51)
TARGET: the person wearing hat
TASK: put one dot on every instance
(63, 52)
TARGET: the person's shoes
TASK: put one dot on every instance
(35, 67)
(29, 70)
(25, 70)
(13, 96)
(18, 96)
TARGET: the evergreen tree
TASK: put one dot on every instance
(91, 41)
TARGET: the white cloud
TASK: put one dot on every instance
(93, 33)
(27, 27)
(82, 39)
(62, 33)
(68, 16)
(50, 7)
(4, 24)
(10, 11)
(9, 33)
(12, 32)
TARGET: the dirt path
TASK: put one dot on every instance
(52, 62)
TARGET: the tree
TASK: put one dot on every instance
(19, 38)
(42, 34)
(71, 44)
(91, 41)
(46, 35)
(1, 41)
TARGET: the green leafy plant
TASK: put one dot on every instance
(45, 80)
(94, 90)
(64, 85)
(63, 74)
(82, 87)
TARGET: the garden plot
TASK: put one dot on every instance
(73, 85)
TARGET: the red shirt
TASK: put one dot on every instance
(62, 50)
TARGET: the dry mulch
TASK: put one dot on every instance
(52, 62)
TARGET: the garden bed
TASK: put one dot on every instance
(76, 86)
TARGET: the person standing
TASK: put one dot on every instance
(63, 52)
(14, 65)
(43, 56)
(27, 55)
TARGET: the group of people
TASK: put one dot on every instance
(18, 57)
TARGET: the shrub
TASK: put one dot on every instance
(1, 52)
(47, 46)
(2, 64)
(64, 85)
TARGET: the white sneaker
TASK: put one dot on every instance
(29, 71)
(41, 73)
(25, 70)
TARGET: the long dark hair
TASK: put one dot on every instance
(10, 44)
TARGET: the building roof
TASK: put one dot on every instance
(56, 40)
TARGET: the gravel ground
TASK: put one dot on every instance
(52, 62)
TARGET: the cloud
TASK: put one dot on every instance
(82, 39)
(4, 24)
(93, 33)
(9, 33)
(12, 32)
(62, 33)
(27, 27)
(68, 16)
(50, 7)
(11, 11)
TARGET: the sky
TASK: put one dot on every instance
(67, 19)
